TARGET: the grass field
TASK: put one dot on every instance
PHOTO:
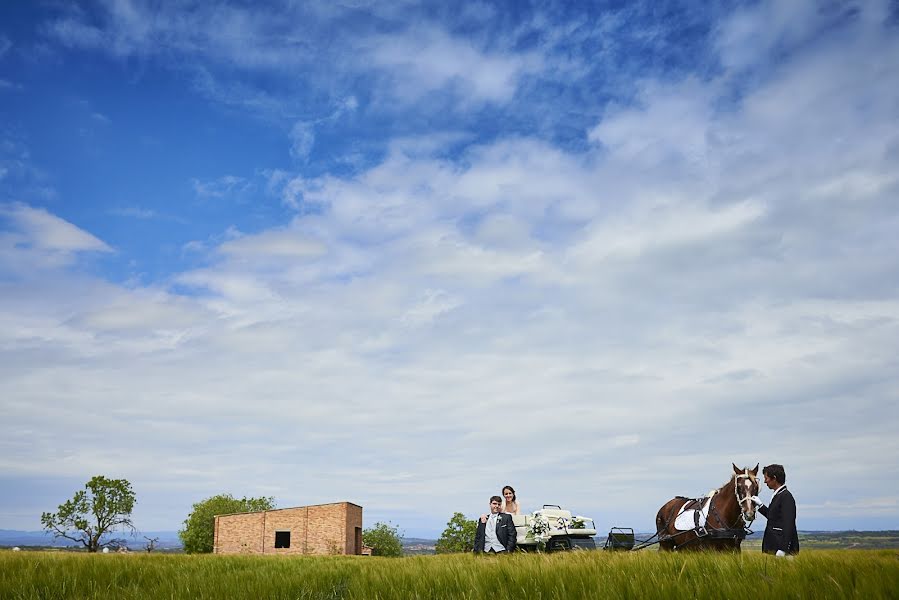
(814, 574)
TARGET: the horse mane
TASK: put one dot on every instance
(727, 484)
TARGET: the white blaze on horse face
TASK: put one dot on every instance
(746, 502)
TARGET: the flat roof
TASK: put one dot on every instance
(256, 512)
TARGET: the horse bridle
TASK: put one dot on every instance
(741, 499)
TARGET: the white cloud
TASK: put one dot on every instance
(674, 119)
(413, 62)
(704, 265)
(433, 303)
(429, 60)
(752, 32)
(280, 244)
(44, 231)
(664, 227)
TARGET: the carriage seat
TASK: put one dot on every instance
(521, 523)
(554, 513)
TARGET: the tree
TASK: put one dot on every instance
(458, 535)
(198, 533)
(98, 509)
(384, 539)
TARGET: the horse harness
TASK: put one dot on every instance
(733, 532)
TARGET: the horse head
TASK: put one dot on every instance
(746, 485)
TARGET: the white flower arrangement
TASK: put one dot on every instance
(539, 528)
(577, 523)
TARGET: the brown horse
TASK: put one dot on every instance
(730, 510)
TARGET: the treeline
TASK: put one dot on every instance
(93, 515)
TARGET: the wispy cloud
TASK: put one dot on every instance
(428, 60)
(220, 187)
(10, 86)
(755, 34)
(302, 137)
(5, 45)
(134, 212)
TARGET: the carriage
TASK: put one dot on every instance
(717, 521)
(553, 528)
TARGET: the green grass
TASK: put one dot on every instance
(814, 574)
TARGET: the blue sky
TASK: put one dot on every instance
(403, 254)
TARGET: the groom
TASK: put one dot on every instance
(498, 533)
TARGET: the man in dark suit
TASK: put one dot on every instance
(497, 534)
(781, 538)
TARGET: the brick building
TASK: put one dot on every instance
(320, 529)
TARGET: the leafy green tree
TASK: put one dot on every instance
(384, 539)
(98, 509)
(198, 533)
(458, 535)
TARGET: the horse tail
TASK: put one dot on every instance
(660, 521)
(666, 515)
(663, 520)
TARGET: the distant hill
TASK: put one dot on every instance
(168, 540)
(807, 539)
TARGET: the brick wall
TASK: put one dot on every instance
(319, 529)
(353, 523)
(236, 534)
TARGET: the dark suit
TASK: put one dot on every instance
(505, 533)
(780, 533)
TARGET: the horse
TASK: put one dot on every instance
(729, 510)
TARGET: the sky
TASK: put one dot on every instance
(403, 254)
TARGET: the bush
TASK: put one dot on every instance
(384, 539)
(458, 535)
(199, 526)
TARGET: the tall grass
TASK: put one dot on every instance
(814, 574)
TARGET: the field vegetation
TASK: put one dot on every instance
(814, 574)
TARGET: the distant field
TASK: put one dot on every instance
(851, 540)
(838, 540)
(815, 574)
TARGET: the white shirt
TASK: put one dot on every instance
(491, 541)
